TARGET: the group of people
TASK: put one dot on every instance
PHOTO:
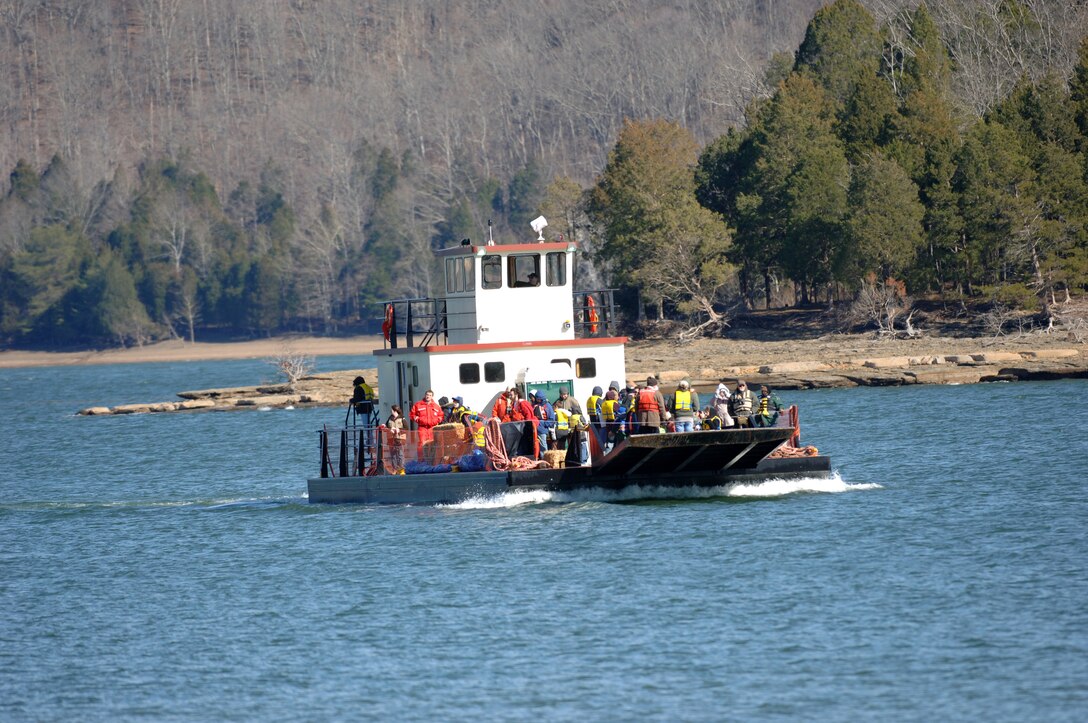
(611, 415)
(617, 413)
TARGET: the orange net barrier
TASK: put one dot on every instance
(410, 451)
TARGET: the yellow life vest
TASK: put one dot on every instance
(608, 410)
(562, 420)
(682, 400)
(591, 406)
(576, 421)
(478, 434)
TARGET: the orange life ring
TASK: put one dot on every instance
(387, 325)
(593, 318)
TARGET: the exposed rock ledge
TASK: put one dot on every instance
(328, 389)
(1028, 365)
(333, 389)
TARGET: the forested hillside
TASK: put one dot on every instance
(181, 166)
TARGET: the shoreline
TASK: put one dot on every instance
(177, 350)
(839, 360)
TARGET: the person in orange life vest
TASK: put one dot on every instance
(522, 410)
(649, 408)
(426, 414)
(544, 419)
(503, 406)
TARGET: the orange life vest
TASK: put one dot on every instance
(647, 401)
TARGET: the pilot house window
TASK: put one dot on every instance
(523, 270)
(460, 274)
(557, 269)
(491, 272)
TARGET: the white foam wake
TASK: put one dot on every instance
(767, 489)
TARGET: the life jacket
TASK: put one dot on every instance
(764, 406)
(478, 434)
(463, 412)
(544, 415)
(576, 422)
(682, 400)
(501, 409)
(591, 406)
(523, 411)
(741, 403)
(562, 420)
(456, 413)
(647, 401)
(714, 422)
(608, 410)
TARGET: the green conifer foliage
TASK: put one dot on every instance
(885, 218)
(656, 236)
(842, 46)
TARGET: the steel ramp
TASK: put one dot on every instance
(692, 452)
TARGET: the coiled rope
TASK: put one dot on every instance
(495, 449)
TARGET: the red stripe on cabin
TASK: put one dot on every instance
(599, 341)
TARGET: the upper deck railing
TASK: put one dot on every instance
(427, 321)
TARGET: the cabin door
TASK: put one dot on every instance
(405, 370)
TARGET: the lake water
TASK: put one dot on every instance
(169, 566)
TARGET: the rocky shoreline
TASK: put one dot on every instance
(704, 364)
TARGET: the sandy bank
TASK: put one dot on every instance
(177, 350)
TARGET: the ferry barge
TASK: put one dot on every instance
(510, 317)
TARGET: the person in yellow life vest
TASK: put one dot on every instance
(768, 408)
(710, 419)
(362, 398)
(569, 405)
(683, 404)
(593, 415)
(456, 410)
(472, 422)
(562, 427)
(609, 406)
(578, 444)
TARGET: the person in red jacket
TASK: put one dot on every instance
(427, 415)
(522, 411)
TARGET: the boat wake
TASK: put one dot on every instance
(763, 490)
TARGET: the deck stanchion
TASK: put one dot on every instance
(344, 453)
(324, 453)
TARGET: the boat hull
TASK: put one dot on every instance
(451, 488)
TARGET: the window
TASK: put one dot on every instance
(585, 368)
(470, 373)
(491, 272)
(556, 264)
(523, 270)
(494, 372)
(460, 274)
(561, 361)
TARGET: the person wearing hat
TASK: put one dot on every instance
(683, 404)
(544, 420)
(649, 408)
(455, 410)
(362, 398)
(740, 405)
(721, 404)
(426, 414)
(768, 408)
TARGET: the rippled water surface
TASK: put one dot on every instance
(169, 566)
